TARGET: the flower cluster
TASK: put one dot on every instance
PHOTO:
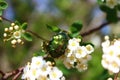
(112, 3)
(39, 69)
(77, 56)
(111, 56)
(13, 33)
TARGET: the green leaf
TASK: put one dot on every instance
(74, 35)
(75, 27)
(118, 7)
(1, 12)
(100, 1)
(17, 22)
(3, 5)
(24, 26)
(112, 15)
(54, 28)
(39, 53)
(105, 8)
(27, 36)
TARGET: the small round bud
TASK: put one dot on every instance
(12, 24)
(106, 37)
(13, 42)
(10, 28)
(19, 40)
(6, 29)
(16, 27)
(5, 34)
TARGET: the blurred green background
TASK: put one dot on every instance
(62, 13)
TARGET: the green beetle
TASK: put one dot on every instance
(56, 47)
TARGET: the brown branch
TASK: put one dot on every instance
(6, 19)
(94, 29)
(116, 76)
(2, 73)
(35, 34)
(16, 73)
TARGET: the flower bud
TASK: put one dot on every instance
(19, 40)
(16, 27)
(12, 24)
(6, 29)
(13, 42)
(10, 28)
(5, 34)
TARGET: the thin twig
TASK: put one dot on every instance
(94, 29)
(35, 34)
(2, 73)
(14, 73)
(6, 19)
(116, 76)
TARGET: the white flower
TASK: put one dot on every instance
(73, 43)
(117, 43)
(77, 56)
(68, 52)
(34, 74)
(114, 67)
(26, 71)
(85, 59)
(106, 44)
(105, 63)
(45, 69)
(110, 50)
(41, 77)
(67, 64)
(55, 74)
(111, 3)
(81, 67)
(17, 34)
(37, 62)
(89, 48)
(71, 59)
(111, 56)
(39, 69)
(80, 52)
